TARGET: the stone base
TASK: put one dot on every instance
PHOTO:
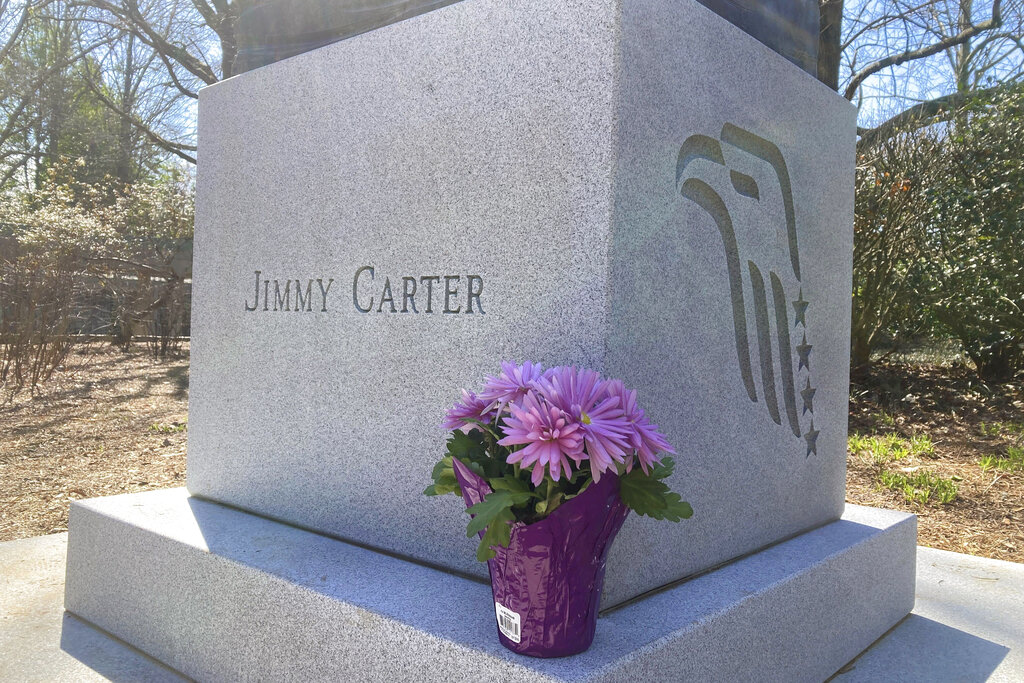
(220, 594)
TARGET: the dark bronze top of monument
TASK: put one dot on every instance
(790, 27)
(271, 30)
(275, 29)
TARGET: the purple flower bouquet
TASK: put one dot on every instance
(549, 463)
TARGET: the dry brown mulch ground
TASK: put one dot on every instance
(110, 422)
(948, 421)
(114, 422)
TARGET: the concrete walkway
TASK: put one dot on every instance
(968, 625)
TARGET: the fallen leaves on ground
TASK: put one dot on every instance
(109, 422)
(113, 422)
(965, 420)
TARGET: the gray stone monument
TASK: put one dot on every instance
(638, 187)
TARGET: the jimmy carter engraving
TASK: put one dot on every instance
(370, 293)
(283, 295)
(782, 271)
(373, 294)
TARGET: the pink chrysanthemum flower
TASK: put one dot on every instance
(584, 396)
(643, 435)
(470, 408)
(550, 436)
(512, 383)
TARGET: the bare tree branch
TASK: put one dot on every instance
(13, 124)
(174, 77)
(143, 268)
(136, 22)
(880, 22)
(12, 38)
(923, 114)
(179, 149)
(927, 51)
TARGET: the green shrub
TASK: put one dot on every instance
(974, 275)
(90, 259)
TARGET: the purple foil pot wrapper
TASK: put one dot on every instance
(550, 576)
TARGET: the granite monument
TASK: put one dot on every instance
(639, 187)
(366, 249)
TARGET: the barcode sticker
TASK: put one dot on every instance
(508, 622)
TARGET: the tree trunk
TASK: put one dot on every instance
(963, 51)
(226, 31)
(860, 349)
(830, 42)
(125, 133)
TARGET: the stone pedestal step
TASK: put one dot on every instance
(219, 594)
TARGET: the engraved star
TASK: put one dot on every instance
(804, 349)
(800, 307)
(808, 396)
(811, 437)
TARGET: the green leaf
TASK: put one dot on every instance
(512, 484)
(499, 532)
(485, 427)
(447, 477)
(444, 479)
(493, 506)
(466, 447)
(493, 515)
(443, 488)
(649, 496)
(643, 495)
(553, 502)
(663, 470)
(583, 472)
(442, 465)
(471, 449)
(676, 509)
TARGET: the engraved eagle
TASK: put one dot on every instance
(762, 258)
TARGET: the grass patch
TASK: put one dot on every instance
(1001, 428)
(885, 448)
(920, 487)
(885, 419)
(921, 444)
(1013, 461)
(172, 428)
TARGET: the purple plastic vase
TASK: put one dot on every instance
(547, 583)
